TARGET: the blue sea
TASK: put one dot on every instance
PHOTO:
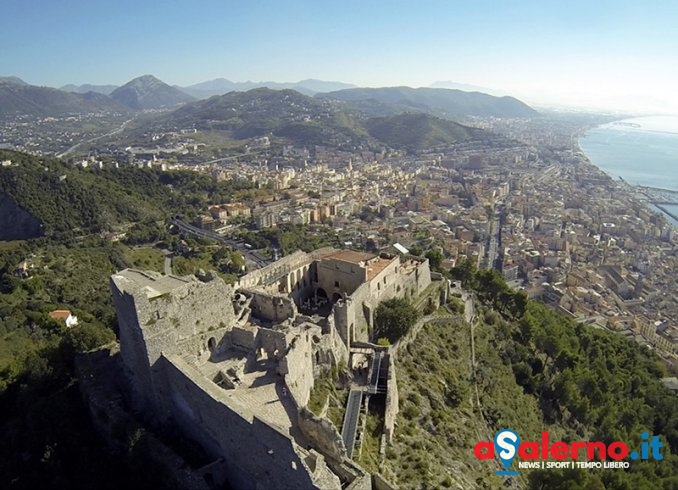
(642, 151)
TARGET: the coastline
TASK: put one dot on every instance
(654, 197)
(634, 189)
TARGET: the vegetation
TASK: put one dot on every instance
(394, 318)
(415, 132)
(48, 438)
(326, 393)
(535, 370)
(72, 201)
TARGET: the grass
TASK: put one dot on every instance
(8, 246)
(369, 456)
(437, 426)
(325, 391)
(146, 258)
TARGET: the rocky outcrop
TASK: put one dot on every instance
(16, 223)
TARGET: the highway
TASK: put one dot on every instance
(250, 255)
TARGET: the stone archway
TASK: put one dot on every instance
(320, 293)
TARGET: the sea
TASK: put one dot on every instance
(641, 150)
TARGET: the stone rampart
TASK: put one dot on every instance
(256, 454)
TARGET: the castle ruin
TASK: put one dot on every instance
(232, 367)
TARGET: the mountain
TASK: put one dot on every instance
(11, 79)
(307, 121)
(439, 102)
(147, 92)
(220, 86)
(419, 131)
(265, 112)
(17, 97)
(466, 87)
(83, 89)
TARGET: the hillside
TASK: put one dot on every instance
(67, 199)
(264, 112)
(147, 92)
(440, 102)
(70, 201)
(418, 131)
(524, 367)
(21, 98)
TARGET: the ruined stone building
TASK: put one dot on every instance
(232, 367)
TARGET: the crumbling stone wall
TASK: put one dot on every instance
(392, 401)
(257, 455)
(322, 434)
(273, 308)
(297, 367)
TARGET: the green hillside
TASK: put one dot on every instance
(71, 201)
(418, 131)
(284, 114)
(535, 371)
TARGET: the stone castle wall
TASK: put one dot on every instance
(256, 455)
(392, 401)
(297, 366)
(193, 318)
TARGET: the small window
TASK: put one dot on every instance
(336, 284)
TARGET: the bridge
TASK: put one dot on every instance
(376, 375)
(349, 429)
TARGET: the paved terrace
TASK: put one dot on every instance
(258, 387)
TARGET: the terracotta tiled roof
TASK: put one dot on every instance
(59, 314)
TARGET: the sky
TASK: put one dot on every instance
(583, 53)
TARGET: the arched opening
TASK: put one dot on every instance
(336, 297)
(321, 293)
(212, 344)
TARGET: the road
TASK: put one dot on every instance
(168, 262)
(250, 255)
(91, 140)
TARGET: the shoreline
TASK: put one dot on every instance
(633, 189)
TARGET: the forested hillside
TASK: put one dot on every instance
(536, 370)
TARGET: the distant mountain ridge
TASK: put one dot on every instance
(148, 92)
(445, 103)
(83, 89)
(221, 86)
(22, 98)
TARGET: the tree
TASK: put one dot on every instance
(465, 272)
(394, 318)
(435, 259)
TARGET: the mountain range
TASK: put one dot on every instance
(18, 97)
(222, 86)
(445, 103)
(149, 93)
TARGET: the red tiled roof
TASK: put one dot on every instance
(59, 314)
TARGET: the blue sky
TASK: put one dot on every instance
(588, 53)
